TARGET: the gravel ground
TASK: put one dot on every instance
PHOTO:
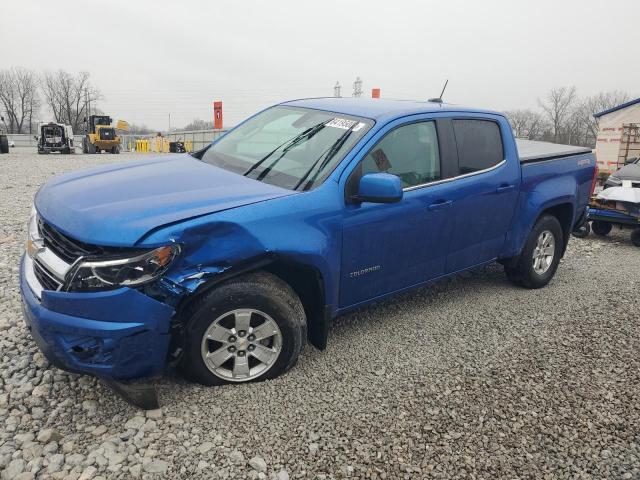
(471, 378)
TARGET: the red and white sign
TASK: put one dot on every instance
(217, 115)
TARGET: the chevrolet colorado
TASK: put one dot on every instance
(225, 262)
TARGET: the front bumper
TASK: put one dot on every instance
(60, 148)
(106, 144)
(118, 334)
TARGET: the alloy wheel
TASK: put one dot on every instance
(241, 345)
(544, 252)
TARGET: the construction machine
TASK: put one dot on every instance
(100, 135)
(55, 137)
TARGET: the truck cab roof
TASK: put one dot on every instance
(381, 109)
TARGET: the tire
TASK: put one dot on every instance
(4, 144)
(265, 300)
(91, 148)
(583, 231)
(525, 271)
(115, 150)
(635, 237)
(601, 228)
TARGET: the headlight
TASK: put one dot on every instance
(121, 272)
(34, 242)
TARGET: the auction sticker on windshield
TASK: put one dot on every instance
(345, 124)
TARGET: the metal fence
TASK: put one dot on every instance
(198, 139)
(26, 140)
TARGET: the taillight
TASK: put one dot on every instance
(594, 180)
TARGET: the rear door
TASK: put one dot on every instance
(388, 247)
(486, 192)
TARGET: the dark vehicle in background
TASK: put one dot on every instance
(177, 147)
(55, 137)
(630, 171)
(4, 141)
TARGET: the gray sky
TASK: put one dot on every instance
(177, 57)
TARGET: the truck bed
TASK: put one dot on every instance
(534, 151)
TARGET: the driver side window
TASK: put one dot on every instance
(409, 152)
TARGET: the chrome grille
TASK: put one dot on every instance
(64, 247)
(46, 279)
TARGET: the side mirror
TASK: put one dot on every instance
(379, 188)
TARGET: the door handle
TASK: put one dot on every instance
(504, 188)
(440, 205)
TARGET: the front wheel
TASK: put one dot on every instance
(250, 328)
(538, 261)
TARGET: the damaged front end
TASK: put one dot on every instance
(112, 313)
(115, 335)
(83, 309)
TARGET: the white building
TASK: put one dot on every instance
(618, 135)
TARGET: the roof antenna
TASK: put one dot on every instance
(439, 99)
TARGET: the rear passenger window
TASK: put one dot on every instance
(410, 152)
(479, 144)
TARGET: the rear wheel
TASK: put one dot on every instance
(601, 228)
(635, 237)
(538, 261)
(250, 328)
(115, 150)
(582, 231)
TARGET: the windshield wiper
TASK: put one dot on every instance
(335, 148)
(288, 145)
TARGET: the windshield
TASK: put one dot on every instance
(294, 148)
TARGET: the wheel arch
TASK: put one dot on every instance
(564, 213)
(305, 279)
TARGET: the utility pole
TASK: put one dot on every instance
(357, 87)
(169, 124)
(87, 112)
(336, 90)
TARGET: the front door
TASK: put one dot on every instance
(388, 247)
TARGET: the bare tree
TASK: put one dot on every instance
(19, 98)
(558, 108)
(197, 124)
(526, 124)
(69, 96)
(135, 129)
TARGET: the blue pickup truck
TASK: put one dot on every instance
(227, 261)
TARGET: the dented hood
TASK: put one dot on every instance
(117, 204)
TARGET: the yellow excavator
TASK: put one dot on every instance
(101, 135)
